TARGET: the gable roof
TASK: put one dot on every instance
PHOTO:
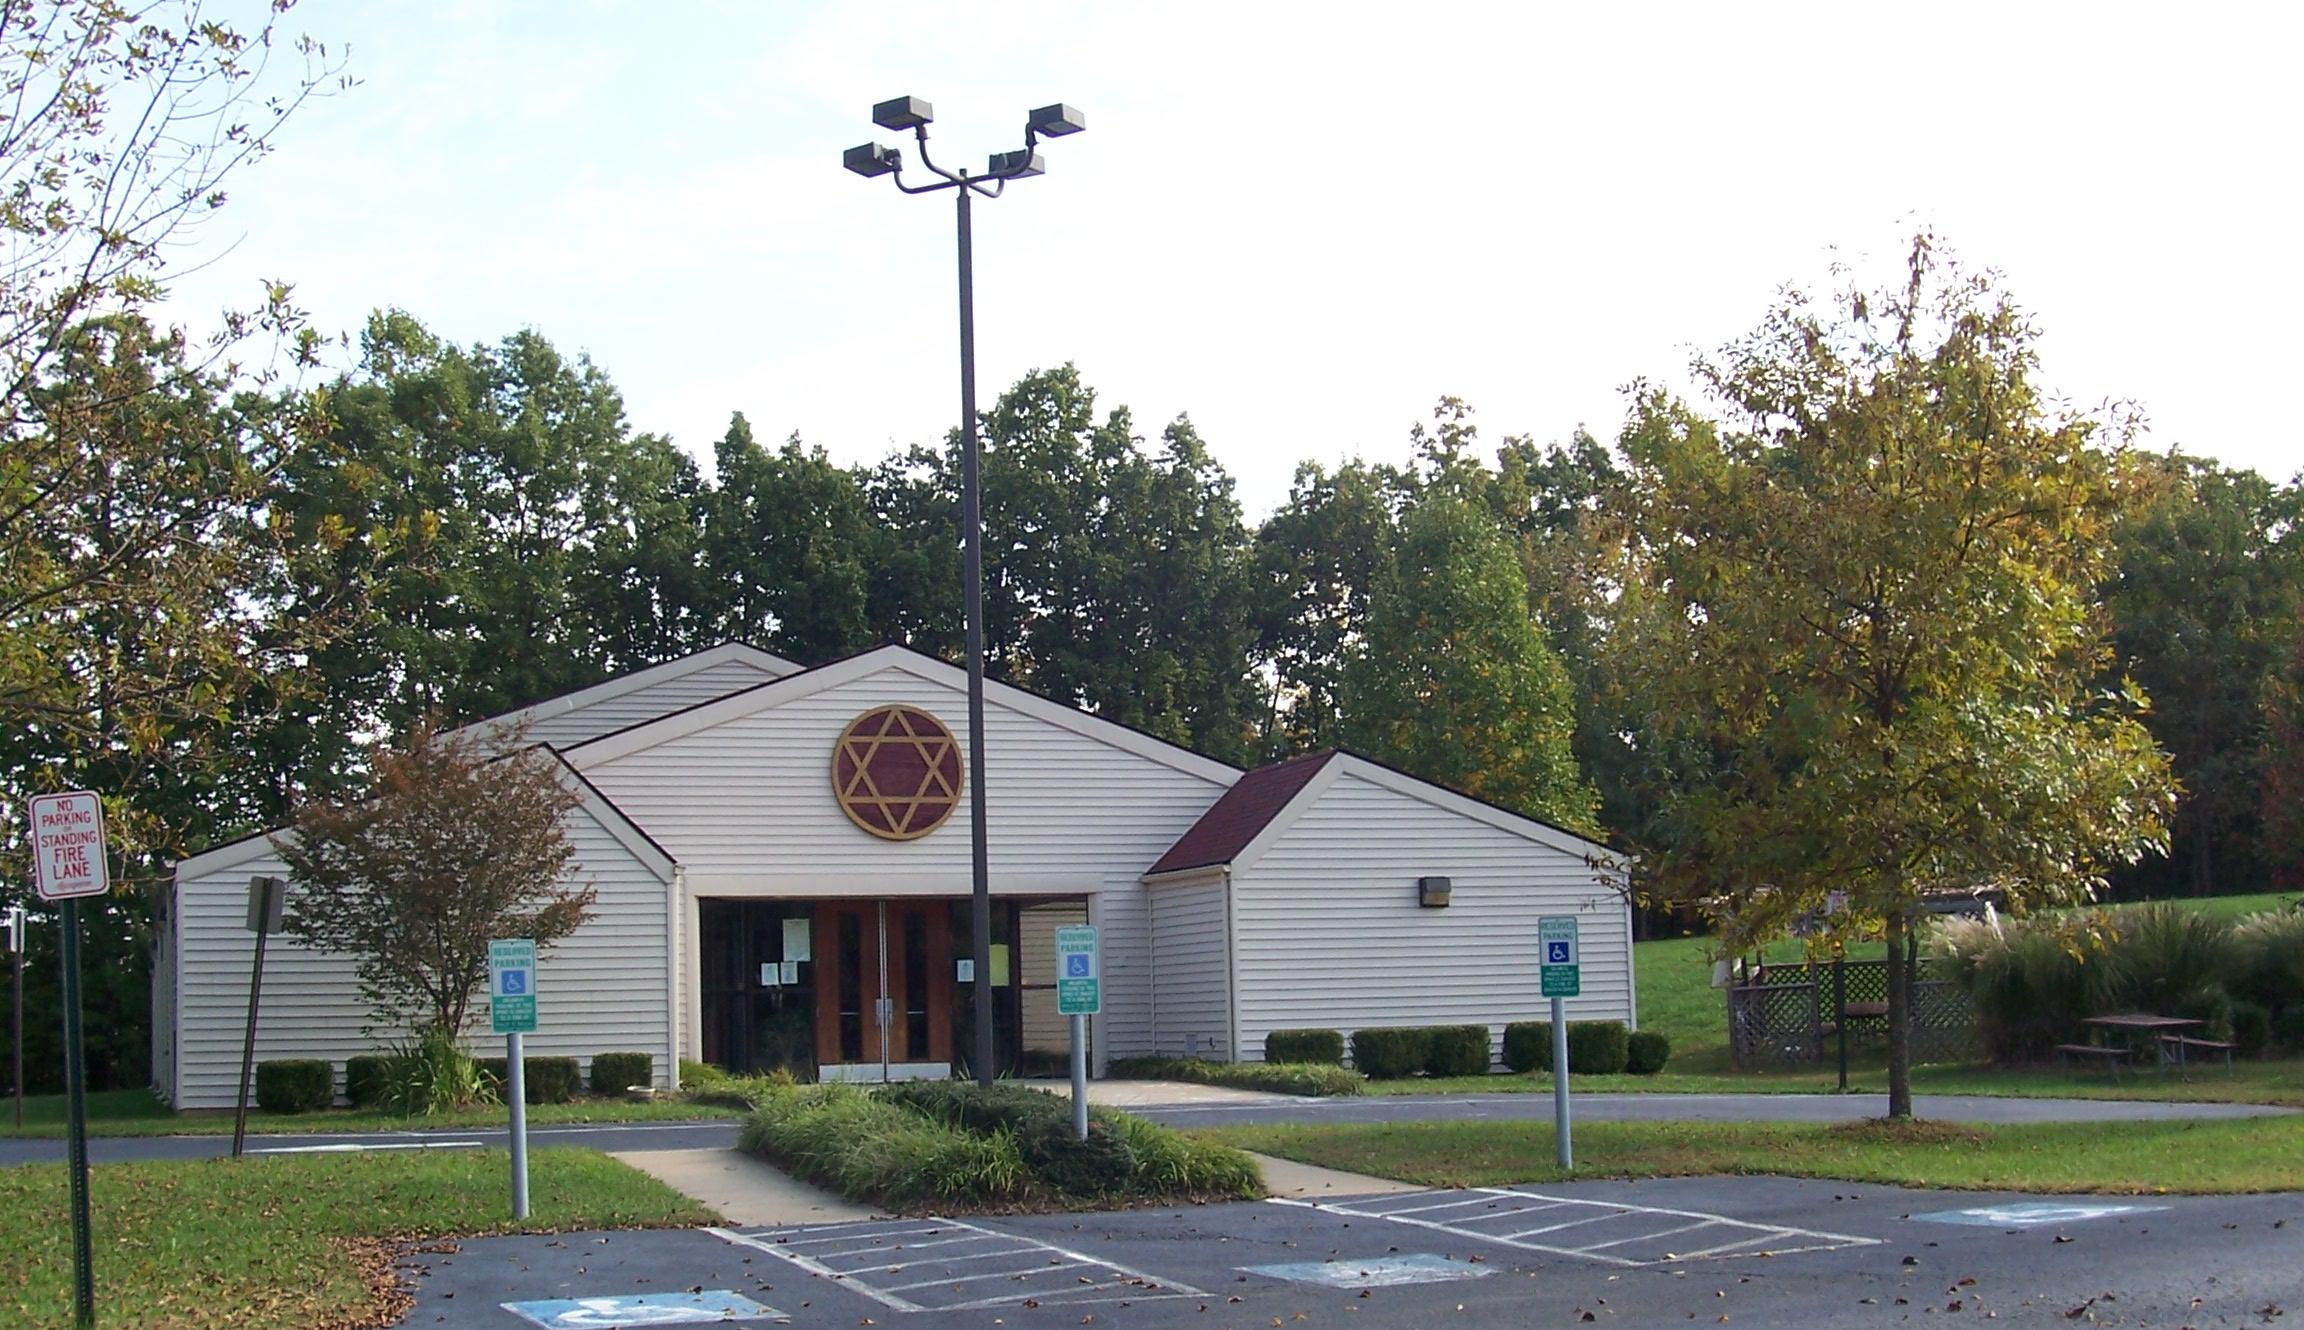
(1245, 810)
(775, 692)
(679, 667)
(1235, 832)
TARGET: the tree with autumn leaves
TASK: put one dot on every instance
(1859, 614)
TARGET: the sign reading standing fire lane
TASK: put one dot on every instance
(1561, 973)
(1079, 976)
(512, 985)
(68, 846)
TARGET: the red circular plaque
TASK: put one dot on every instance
(896, 772)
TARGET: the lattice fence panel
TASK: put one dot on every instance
(1943, 1022)
(1774, 1025)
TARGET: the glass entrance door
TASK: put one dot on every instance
(883, 990)
(759, 989)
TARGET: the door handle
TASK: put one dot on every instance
(883, 1011)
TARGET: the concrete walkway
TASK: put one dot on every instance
(745, 1190)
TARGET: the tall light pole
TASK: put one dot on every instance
(872, 159)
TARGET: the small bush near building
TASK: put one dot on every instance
(433, 1075)
(1389, 1053)
(542, 1080)
(1598, 1048)
(1646, 1052)
(947, 1145)
(614, 1073)
(1304, 1046)
(1456, 1050)
(1528, 1046)
(295, 1085)
(1304, 1078)
(367, 1079)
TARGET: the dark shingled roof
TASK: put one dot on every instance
(1246, 809)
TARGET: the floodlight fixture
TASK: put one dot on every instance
(1054, 122)
(902, 113)
(871, 159)
(1017, 165)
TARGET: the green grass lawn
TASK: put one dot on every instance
(139, 1113)
(293, 1242)
(2245, 1155)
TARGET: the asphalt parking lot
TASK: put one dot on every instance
(1722, 1251)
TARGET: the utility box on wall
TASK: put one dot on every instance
(1432, 892)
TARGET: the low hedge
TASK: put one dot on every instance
(1456, 1050)
(1646, 1052)
(947, 1146)
(295, 1085)
(368, 1079)
(1304, 1046)
(1595, 1048)
(614, 1073)
(542, 1080)
(1302, 1078)
(1389, 1053)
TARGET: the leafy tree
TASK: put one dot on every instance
(1317, 559)
(455, 842)
(1869, 606)
(2207, 578)
(788, 543)
(1455, 682)
(2281, 791)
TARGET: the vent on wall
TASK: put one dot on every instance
(1432, 892)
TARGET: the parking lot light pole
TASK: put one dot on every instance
(872, 159)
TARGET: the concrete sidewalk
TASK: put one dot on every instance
(745, 1190)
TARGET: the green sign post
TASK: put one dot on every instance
(512, 1013)
(1559, 975)
(1079, 995)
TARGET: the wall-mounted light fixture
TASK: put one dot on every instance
(1432, 892)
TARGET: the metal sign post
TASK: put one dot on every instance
(68, 862)
(16, 955)
(512, 1013)
(1079, 995)
(1560, 977)
(266, 895)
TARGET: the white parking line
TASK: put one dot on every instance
(1051, 1275)
(1507, 1204)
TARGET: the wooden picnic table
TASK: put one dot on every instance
(2137, 1022)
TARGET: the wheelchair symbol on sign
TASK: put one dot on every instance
(1556, 953)
(515, 982)
(1076, 966)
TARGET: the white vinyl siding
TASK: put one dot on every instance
(1190, 946)
(745, 806)
(645, 704)
(1330, 935)
(600, 990)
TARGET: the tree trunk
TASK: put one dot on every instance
(1899, 1019)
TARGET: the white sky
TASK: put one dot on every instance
(1300, 223)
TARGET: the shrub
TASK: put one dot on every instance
(295, 1085)
(1456, 1050)
(2268, 966)
(2288, 1029)
(367, 1079)
(614, 1073)
(1302, 1078)
(543, 1080)
(1597, 1048)
(2251, 1027)
(2164, 956)
(1646, 1052)
(2033, 982)
(433, 1075)
(1528, 1046)
(1304, 1046)
(696, 1075)
(1388, 1053)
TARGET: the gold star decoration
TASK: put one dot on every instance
(896, 772)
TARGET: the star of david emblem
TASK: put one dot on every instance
(896, 772)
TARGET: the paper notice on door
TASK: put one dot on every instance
(795, 942)
(771, 974)
(791, 972)
(964, 972)
(999, 965)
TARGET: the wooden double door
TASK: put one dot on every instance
(884, 984)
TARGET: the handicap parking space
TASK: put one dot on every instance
(938, 1264)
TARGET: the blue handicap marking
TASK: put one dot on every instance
(638, 1309)
(1076, 966)
(1378, 1272)
(515, 982)
(2035, 1214)
(1558, 954)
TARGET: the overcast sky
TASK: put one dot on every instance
(1299, 224)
